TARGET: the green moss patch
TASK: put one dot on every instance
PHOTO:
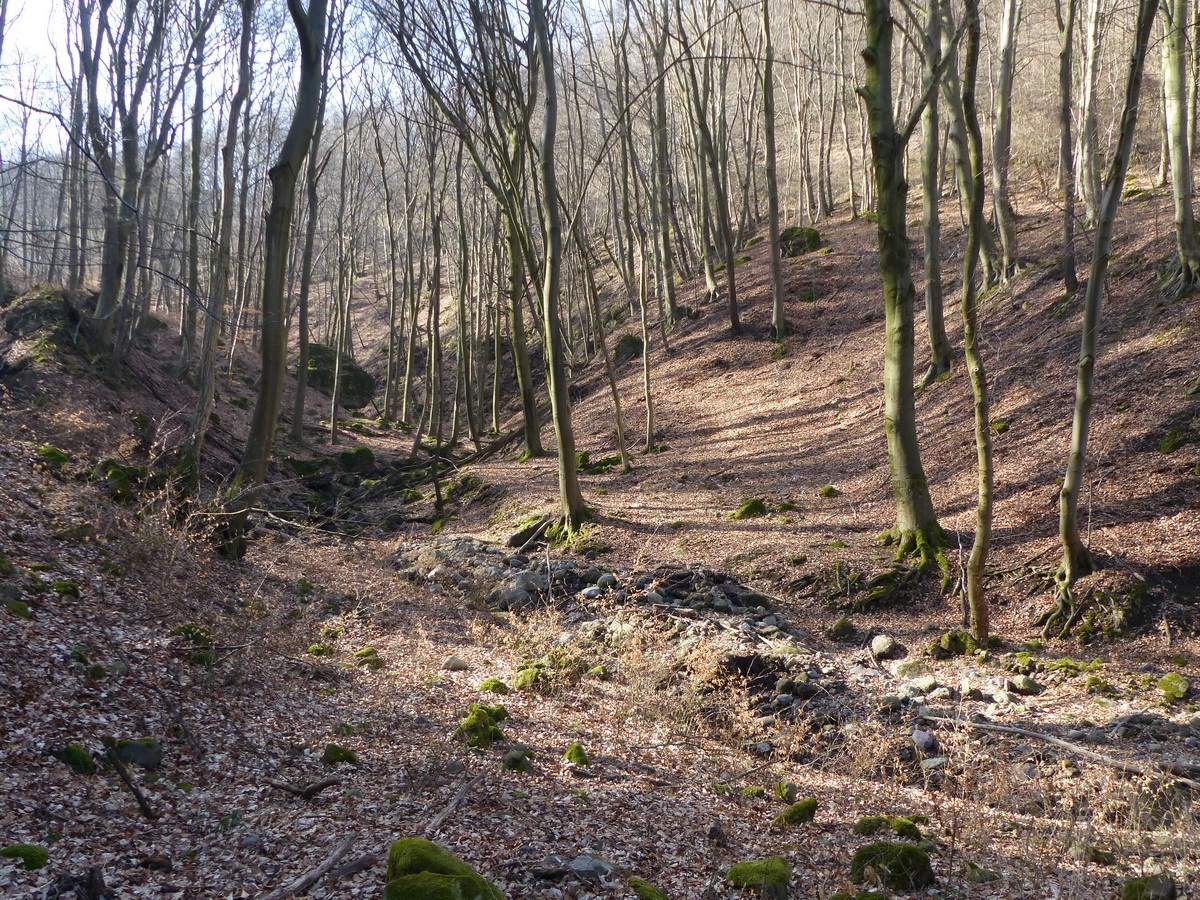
(769, 877)
(77, 758)
(750, 508)
(628, 346)
(798, 813)
(644, 890)
(411, 858)
(1174, 687)
(336, 753)
(900, 867)
(829, 492)
(494, 686)
(480, 727)
(31, 856)
(797, 240)
(369, 658)
(577, 755)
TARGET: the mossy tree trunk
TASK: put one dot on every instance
(916, 528)
(977, 603)
(1077, 560)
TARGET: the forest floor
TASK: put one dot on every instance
(718, 676)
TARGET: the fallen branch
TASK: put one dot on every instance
(311, 877)
(453, 804)
(306, 793)
(1183, 773)
(143, 803)
(364, 862)
(537, 534)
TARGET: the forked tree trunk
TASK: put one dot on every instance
(310, 28)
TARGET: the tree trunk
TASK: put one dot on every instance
(977, 604)
(779, 326)
(1066, 149)
(1175, 23)
(940, 354)
(310, 29)
(916, 528)
(1077, 560)
(1002, 139)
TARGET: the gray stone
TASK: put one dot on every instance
(890, 702)
(924, 741)
(592, 575)
(607, 580)
(925, 683)
(934, 762)
(528, 581)
(590, 593)
(907, 668)
(1025, 686)
(883, 646)
(654, 597)
(454, 664)
(762, 748)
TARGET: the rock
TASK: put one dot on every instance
(883, 646)
(31, 856)
(798, 813)
(899, 867)
(1149, 887)
(979, 875)
(589, 867)
(518, 759)
(146, 752)
(77, 758)
(1174, 687)
(843, 629)
(933, 763)
(924, 741)
(421, 870)
(644, 890)
(1025, 686)
(576, 755)
(590, 593)
(907, 668)
(508, 598)
(925, 684)
(798, 239)
(454, 664)
(769, 877)
(761, 748)
(357, 386)
(335, 753)
(527, 581)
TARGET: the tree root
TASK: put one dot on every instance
(929, 543)
(1066, 612)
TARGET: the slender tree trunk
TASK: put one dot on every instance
(1175, 22)
(1077, 560)
(779, 326)
(977, 604)
(187, 331)
(1002, 140)
(940, 354)
(1066, 148)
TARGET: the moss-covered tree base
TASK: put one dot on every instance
(926, 544)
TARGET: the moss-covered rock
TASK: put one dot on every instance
(118, 479)
(798, 813)
(145, 752)
(31, 856)
(494, 686)
(77, 758)
(369, 658)
(769, 877)
(797, 239)
(786, 791)
(828, 491)
(907, 827)
(953, 643)
(359, 459)
(644, 890)
(53, 457)
(869, 825)
(413, 857)
(978, 874)
(518, 759)
(479, 728)
(336, 753)
(841, 630)
(899, 867)
(754, 792)
(628, 346)
(357, 384)
(750, 508)
(1174, 687)
(1149, 887)
(577, 755)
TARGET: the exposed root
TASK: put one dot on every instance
(929, 543)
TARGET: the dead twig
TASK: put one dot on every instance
(306, 793)
(453, 804)
(364, 862)
(311, 877)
